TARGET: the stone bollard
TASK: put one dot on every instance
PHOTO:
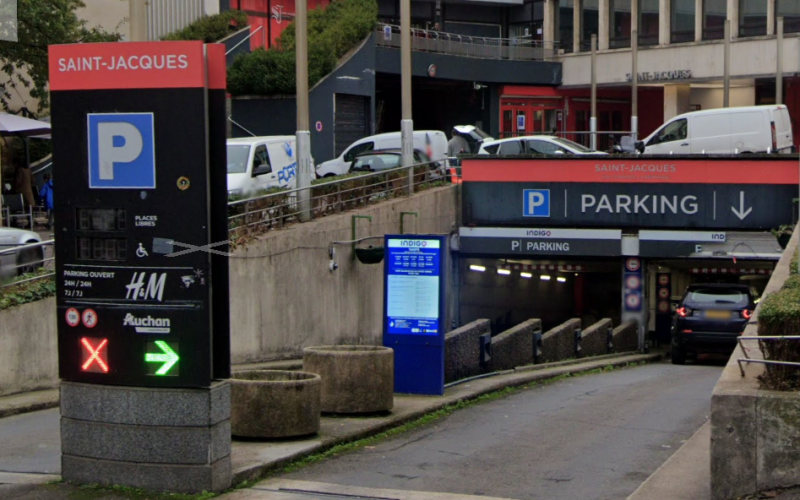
(274, 403)
(355, 379)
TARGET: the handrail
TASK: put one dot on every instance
(747, 358)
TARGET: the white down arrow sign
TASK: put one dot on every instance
(741, 213)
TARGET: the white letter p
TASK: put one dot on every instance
(108, 154)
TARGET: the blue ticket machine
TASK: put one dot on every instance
(414, 310)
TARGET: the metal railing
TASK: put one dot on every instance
(27, 265)
(277, 209)
(515, 49)
(747, 359)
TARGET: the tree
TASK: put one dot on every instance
(41, 23)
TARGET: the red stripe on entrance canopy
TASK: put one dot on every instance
(642, 170)
(127, 65)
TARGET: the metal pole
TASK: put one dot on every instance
(593, 116)
(406, 124)
(304, 167)
(635, 85)
(726, 86)
(779, 72)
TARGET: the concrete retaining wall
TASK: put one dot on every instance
(462, 350)
(28, 347)
(626, 337)
(755, 434)
(594, 339)
(559, 343)
(514, 347)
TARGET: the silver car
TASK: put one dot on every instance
(15, 263)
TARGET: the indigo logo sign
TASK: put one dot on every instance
(121, 151)
(536, 203)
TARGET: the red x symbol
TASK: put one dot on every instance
(95, 356)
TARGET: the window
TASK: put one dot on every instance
(682, 25)
(491, 149)
(714, 15)
(565, 24)
(790, 11)
(261, 164)
(376, 162)
(675, 131)
(544, 147)
(237, 159)
(591, 18)
(648, 22)
(511, 148)
(752, 18)
(620, 23)
(355, 150)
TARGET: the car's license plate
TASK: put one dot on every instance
(718, 314)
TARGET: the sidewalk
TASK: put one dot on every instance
(37, 436)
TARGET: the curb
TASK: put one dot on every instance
(520, 377)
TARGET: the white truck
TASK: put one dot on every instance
(257, 163)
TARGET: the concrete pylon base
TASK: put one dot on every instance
(176, 440)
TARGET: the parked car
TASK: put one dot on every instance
(535, 144)
(747, 129)
(709, 318)
(375, 161)
(256, 163)
(475, 137)
(432, 142)
(21, 261)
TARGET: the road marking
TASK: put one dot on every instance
(287, 489)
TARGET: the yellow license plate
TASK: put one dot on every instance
(718, 314)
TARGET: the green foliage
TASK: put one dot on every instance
(331, 33)
(792, 283)
(793, 263)
(31, 291)
(780, 315)
(40, 24)
(211, 29)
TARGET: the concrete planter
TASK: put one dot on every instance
(274, 404)
(355, 379)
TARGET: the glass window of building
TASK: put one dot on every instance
(714, 15)
(590, 21)
(752, 17)
(682, 25)
(564, 23)
(619, 17)
(648, 22)
(790, 11)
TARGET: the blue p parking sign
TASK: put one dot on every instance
(121, 151)
(536, 203)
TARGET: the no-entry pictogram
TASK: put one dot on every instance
(633, 264)
(94, 355)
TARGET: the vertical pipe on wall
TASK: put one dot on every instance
(726, 86)
(593, 116)
(779, 69)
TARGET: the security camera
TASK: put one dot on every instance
(332, 266)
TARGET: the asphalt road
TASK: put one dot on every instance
(591, 438)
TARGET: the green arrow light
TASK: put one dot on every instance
(167, 356)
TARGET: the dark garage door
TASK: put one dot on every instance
(351, 118)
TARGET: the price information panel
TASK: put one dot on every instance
(415, 268)
(135, 181)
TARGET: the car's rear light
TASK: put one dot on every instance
(774, 137)
(747, 313)
(686, 331)
(682, 312)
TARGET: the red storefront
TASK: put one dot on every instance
(268, 18)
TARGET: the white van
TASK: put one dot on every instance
(749, 129)
(256, 163)
(431, 142)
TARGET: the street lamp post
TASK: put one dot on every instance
(304, 167)
(406, 124)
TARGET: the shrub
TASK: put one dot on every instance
(211, 29)
(780, 315)
(331, 33)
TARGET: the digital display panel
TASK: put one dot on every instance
(102, 249)
(413, 286)
(100, 219)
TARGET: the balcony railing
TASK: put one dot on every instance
(515, 49)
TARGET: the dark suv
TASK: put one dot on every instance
(709, 318)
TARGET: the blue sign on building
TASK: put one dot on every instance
(121, 151)
(536, 203)
(414, 311)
